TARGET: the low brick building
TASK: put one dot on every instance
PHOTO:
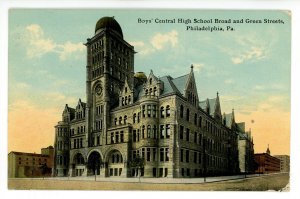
(266, 163)
(22, 164)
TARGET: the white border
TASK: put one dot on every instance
(292, 5)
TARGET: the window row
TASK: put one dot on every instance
(187, 156)
(98, 125)
(121, 120)
(99, 110)
(80, 114)
(98, 57)
(62, 145)
(126, 100)
(61, 160)
(62, 132)
(151, 91)
(80, 129)
(188, 136)
(152, 154)
(151, 132)
(77, 143)
(117, 137)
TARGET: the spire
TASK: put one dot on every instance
(268, 150)
(192, 67)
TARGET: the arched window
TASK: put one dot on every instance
(168, 112)
(125, 119)
(150, 81)
(150, 91)
(120, 120)
(126, 100)
(134, 117)
(116, 120)
(154, 132)
(122, 101)
(146, 92)
(129, 99)
(162, 112)
(181, 111)
(195, 119)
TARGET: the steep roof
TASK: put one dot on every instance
(180, 83)
(228, 119)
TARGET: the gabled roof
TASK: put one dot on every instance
(203, 104)
(180, 83)
(241, 127)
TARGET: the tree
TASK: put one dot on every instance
(138, 163)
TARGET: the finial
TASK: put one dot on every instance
(217, 94)
(192, 66)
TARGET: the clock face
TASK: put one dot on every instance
(98, 89)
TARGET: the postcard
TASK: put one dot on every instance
(149, 99)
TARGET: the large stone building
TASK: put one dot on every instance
(128, 116)
(21, 164)
(284, 162)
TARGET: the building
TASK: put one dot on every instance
(130, 117)
(21, 164)
(284, 162)
(245, 149)
(266, 163)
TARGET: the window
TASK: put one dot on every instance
(146, 92)
(134, 118)
(143, 110)
(162, 112)
(187, 114)
(181, 132)
(154, 111)
(122, 136)
(120, 120)
(148, 131)
(167, 154)
(187, 156)
(154, 154)
(143, 132)
(168, 131)
(125, 119)
(154, 132)
(195, 137)
(181, 111)
(182, 171)
(117, 137)
(195, 119)
(187, 134)
(162, 131)
(148, 154)
(116, 120)
(195, 157)
(161, 154)
(168, 112)
(112, 139)
(154, 91)
(134, 135)
(149, 110)
(181, 155)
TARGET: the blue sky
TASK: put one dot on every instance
(249, 67)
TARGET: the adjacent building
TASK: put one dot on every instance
(128, 117)
(21, 164)
(284, 162)
(265, 163)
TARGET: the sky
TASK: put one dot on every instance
(250, 67)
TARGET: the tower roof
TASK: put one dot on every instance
(108, 23)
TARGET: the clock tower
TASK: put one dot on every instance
(110, 61)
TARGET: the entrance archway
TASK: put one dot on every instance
(78, 164)
(94, 163)
(115, 163)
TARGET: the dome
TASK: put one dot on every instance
(108, 23)
(140, 75)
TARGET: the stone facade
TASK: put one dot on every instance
(284, 162)
(129, 116)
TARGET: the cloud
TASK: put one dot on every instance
(158, 42)
(37, 44)
(198, 67)
(228, 81)
(254, 53)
